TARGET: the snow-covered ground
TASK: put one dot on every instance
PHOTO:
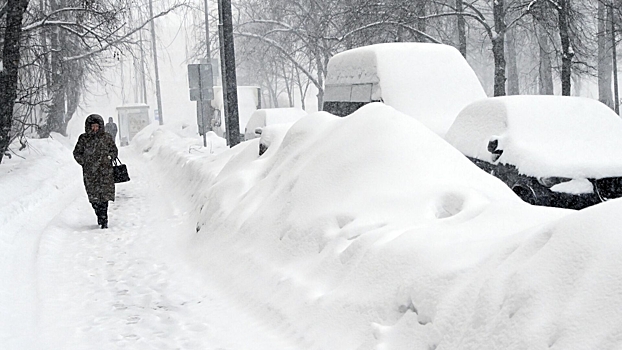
(66, 284)
(364, 232)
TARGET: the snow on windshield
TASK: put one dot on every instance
(543, 135)
(430, 82)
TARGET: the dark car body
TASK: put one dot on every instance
(535, 191)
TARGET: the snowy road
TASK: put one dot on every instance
(128, 287)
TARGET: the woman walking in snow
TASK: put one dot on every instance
(95, 152)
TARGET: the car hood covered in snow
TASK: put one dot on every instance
(543, 136)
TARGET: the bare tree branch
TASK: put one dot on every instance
(376, 24)
(276, 45)
(117, 41)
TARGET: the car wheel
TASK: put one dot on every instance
(525, 193)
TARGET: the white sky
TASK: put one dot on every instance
(364, 232)
(174, 45)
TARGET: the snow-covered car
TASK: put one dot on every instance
(551, 150)
(270, 116)
(249, 100)
(429, 82)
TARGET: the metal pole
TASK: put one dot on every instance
(229, 83)
(155, 63)
(223, 81)
(615, 64)
(207, 42)
(202, 116)
(142, 67)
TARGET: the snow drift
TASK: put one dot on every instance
(352, 236)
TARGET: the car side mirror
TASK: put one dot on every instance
(493, 145)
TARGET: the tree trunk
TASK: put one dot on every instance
(421, 23)
(55, 113)
(271, 90)
(545, 76)
(321, 73)
(604, 57)
(15, 10)
(616, 97)
(302, 89)
(73, 99)
(289, 85)
(513, 83)
(498, 51)
(462, 39)
(567, 54)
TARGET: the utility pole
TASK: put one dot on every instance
(207, 42)
(229, 83)
(155, 63)
(142, 67)
(616, 98)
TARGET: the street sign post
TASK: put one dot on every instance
(201, 84)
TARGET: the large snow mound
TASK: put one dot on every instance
(543, 136)
(354, 236)
(430, 82)
(554, 287)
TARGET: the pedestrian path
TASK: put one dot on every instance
(130, 287)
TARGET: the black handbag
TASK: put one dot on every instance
(119, 171)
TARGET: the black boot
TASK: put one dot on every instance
(101, 210)
(104, 215)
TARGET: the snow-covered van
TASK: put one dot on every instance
(430, 82)
(556, 151)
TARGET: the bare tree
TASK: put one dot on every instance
(604, 55)
(13, 12)
(545, 69)
(63, 40)
(563, 11)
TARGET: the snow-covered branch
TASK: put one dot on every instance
(108, 43)
(46, 20)
(380, 23)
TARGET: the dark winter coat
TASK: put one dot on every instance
(95, 153)
(111, 128)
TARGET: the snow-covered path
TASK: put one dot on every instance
(128, 287)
